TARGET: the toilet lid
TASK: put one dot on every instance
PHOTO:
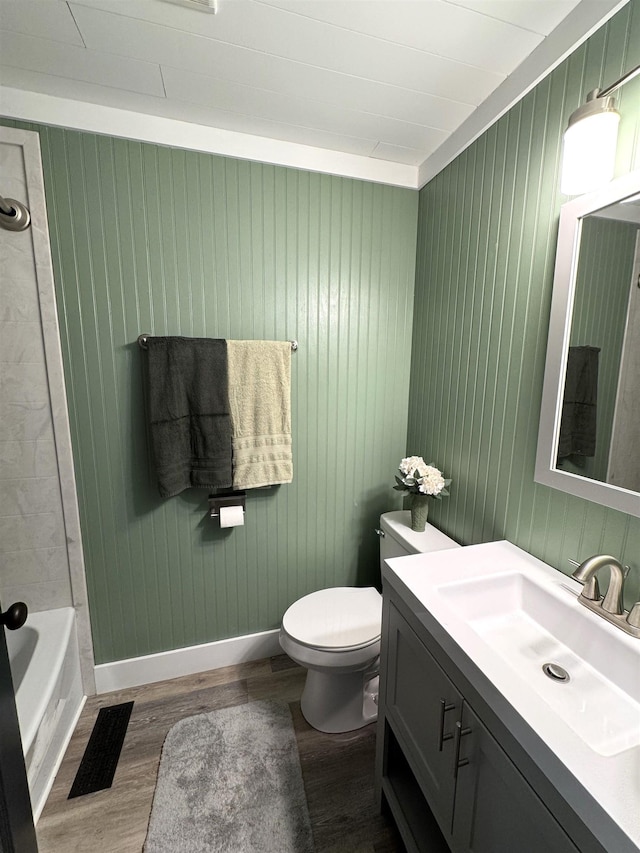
(337, 618)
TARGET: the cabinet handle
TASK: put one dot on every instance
(444, 707)
(459, 762)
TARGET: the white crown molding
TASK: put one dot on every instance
(111, 121)
(133, 672)
(575, 29)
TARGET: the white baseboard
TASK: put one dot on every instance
(134, 672)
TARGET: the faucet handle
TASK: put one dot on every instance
(591, 589)
(633, 617)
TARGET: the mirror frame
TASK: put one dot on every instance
(564, 282)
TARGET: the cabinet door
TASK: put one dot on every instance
(495, 809)
(423, 707)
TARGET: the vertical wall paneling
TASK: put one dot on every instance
(147, 238)
(486, 248)
(150, 239)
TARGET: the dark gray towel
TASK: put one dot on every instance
(189, 413)
(579, 405)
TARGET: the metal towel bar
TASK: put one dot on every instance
(142, 342)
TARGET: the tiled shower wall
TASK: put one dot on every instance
(34, 565)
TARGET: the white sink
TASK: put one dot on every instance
(511, 614)
(529, 623)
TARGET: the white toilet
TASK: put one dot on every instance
(335, 634)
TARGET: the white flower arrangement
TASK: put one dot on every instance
(418, 478)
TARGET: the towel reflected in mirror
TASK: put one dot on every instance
(577, 439)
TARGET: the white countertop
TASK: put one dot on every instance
(612, 779)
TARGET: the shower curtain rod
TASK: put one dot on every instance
(5, 207)
(14, 216)
(142, 342)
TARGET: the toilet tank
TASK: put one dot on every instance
(397, 539)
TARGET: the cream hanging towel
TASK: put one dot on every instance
(260, 403)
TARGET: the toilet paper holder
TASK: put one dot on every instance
(216, 502)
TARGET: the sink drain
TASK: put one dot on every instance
(555, 672)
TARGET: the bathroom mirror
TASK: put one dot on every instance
(589, 431)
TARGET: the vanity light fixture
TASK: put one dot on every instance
(590, 140)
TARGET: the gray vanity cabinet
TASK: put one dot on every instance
(495, 808)
(448, 783)
(422, 706)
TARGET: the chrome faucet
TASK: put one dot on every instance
(612, 602)
(610, 607)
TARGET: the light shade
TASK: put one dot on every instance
(590, 143)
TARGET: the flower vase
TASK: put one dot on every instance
(419, 512)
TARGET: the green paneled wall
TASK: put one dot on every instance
(486, 248)
(151, 239)
(603, 281)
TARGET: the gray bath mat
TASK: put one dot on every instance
(230, 782)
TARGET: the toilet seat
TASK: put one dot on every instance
(336, 619)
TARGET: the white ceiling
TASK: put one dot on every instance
(406, 82)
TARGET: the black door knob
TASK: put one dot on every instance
(15, 616)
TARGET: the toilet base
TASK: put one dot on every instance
(339, 702)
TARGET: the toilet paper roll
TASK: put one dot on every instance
(231, 516)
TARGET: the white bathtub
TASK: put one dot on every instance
(45, 666)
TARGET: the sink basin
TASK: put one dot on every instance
(530, 623)
(507, 614)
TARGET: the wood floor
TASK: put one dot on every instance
(337, 769)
